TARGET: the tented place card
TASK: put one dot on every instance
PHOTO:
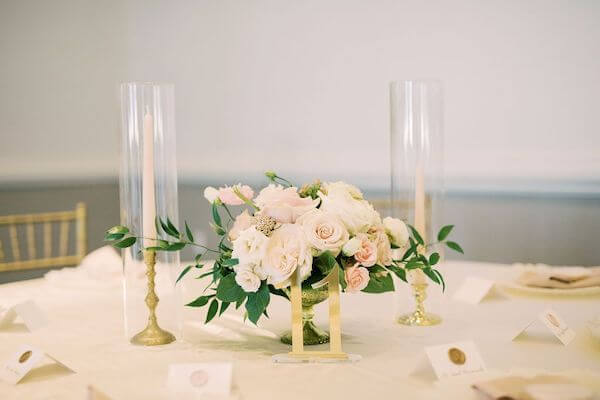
(473, 290)
(455, 359)
(551, 320)
(200, 379)
(21, 362)
(33, 317)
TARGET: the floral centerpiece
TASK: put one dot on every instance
(319, 229)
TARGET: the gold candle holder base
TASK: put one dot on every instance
(152, 335)
(419, 317)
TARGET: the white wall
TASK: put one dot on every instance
(301, 86)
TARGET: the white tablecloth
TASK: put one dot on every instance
(86, 333)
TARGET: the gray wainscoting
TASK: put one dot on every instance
(557, 229)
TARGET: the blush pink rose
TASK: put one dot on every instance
(228, 196)
(242, 222)
(357, 278)
(367, 253)
(284, 204)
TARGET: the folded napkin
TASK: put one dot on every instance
(544, 276)
(540, 387)
(102, 268)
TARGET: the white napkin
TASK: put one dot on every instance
(100, 269)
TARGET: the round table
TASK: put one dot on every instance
(86, 333)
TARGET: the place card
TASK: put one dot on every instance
(33, 317)
(551, 320)
(21, 362)
(473, 290)
(455, 359)
(200, 379)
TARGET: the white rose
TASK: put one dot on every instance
(335, 188)
(287, 251)
(247, 279)
(250, 246)
(384, 249)
(397, 231)
(211, 194)
(352, 246)
(357, 215)
(324, 231)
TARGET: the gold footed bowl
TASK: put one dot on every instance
(312, 334)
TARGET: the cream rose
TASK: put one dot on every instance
(357, 215)
(211, 194)
(287, 251)
(357, 278)
(242, 222)
(351, 247)
(397, 231)
(250, 246)
(283, 204)
(343, 188)
(246, 278)
(324, 231)
(367, 253)
(384, 249)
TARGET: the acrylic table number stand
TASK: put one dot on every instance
(335, 354)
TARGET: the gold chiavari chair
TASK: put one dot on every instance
(28, 257)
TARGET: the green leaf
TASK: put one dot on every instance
(326, 262)
(174, 231)
(127, 242)
(239, 302)
(216, 216)
(429, 272)
(444, 232)
(165, 227)
(228, 290)
(441, 279)
(218, 230)
(114, 236)
(188, 232)
(378, 282)
(198, 257)
(163, 244)
(154, 248)
(157, 225)
(455, 246)
(212, 310)
(117, 229)
(416, 235)
(205, 274)
(224, 306)
(258, 302)
(434, 258)
(413, 263)
(230, 262)
(175, 246)
(200, 301)
(399, 272)
(409, 252)
(182, 274)
(342, 277)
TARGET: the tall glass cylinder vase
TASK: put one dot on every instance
(148, 188)
(417, 171)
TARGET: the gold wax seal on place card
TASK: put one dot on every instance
(457, 356)
(25, 356)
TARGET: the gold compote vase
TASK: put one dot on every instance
(312, 333)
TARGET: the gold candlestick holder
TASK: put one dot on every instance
(153, 334)
(419, 317)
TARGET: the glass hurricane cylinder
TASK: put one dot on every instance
(417, 172)
(148, 188)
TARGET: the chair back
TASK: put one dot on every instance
(40, 228)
